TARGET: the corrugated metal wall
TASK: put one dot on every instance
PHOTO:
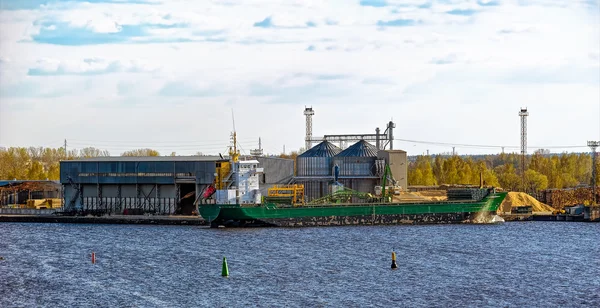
(276, 170)
(355, 166)
(128, 172)
(159, 199)
(314, 166)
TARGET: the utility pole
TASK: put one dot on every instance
(523, 114)
(66, 156)
(593, 145)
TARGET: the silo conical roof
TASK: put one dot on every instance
(323, 149)
(359, 149)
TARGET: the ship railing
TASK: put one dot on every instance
(391, 204)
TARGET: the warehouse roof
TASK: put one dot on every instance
(19, 182)
(146, 158)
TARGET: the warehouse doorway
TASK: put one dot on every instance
(188, 196)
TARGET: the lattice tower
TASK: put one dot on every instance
(523, 114)
(308, 112)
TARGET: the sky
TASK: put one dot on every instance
(169, 75)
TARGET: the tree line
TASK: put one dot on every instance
(543, 170)
(501, 170)
(39, 163)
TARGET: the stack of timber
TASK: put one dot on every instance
(559, 199)
(433, 195)
(48, 203)
(455, 194)
(407, 197)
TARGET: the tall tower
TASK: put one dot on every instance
(259, 151)
(523, 114)
(593, 145)
(308, 112)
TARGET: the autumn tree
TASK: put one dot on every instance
(507, 177)
(421, 172)
(535, 181)
(91, 152)
(141, 152)
(34, 163)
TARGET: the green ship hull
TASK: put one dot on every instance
(270, 214)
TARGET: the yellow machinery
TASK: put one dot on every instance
(224, 167)
(223, 171)
(295, 192)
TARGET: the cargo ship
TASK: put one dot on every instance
(273, 214)
(235, 201)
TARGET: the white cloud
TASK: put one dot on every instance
(89, 66)
(355, 74)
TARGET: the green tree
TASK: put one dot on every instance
(450, 168)
(34, 163)
(507, 177)
(438, 169)
(36, 171)
(465, 172)
(415, 176)
(54, 171)
(420, 172)
(16, 163)
(535, 181)
(489, 176)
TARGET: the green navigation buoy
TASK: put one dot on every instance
(225, 270)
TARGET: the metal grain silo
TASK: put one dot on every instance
(357, 160)
(317, 160)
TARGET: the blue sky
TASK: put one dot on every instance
(119, 74)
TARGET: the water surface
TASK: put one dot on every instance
(519, 264)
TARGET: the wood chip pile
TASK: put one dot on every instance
(522, 199)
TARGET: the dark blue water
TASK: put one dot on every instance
(520, 264)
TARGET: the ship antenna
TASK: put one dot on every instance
(234, 153)
(233, 119)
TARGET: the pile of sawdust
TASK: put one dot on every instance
(421, 196)
(432, 195)
(522, 199)
(408, 197)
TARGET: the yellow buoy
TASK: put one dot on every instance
(394, 266)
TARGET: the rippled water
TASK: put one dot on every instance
(520, 264)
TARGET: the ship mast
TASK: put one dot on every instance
(234, 154)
